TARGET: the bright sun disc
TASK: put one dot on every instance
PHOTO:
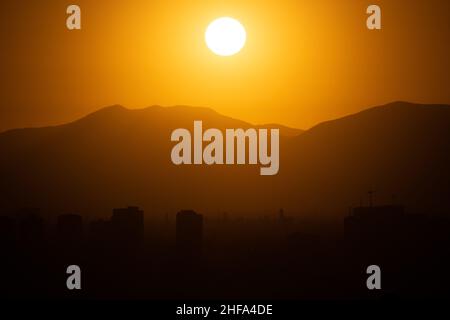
(225, 36)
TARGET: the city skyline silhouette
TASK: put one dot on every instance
(225, 151)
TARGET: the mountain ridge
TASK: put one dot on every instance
(118, 157)
(117, 110)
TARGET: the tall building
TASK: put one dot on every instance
(189, 232)
(377, 228)
(31, 227)
(127, 225)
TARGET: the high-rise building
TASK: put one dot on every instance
(127, 225)
(31, 227)
(189, 232)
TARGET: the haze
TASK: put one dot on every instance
(304, 62)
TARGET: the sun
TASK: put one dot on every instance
(225, 36)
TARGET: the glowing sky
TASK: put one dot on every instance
(304, 61)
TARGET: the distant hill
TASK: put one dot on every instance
(116, 157)
(400, 150)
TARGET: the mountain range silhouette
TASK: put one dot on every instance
(116, 157)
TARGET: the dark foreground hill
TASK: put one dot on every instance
(116, 157)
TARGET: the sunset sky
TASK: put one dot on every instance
(304, 61)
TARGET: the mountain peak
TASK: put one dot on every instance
(170, 117)
(108, 109)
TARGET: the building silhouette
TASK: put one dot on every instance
(367, 221)
(380, 232)
(189, 232)
(127, 226)
(70, 229)
(7, 233)
(31, 227)
(283, 220)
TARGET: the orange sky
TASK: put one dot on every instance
(304, 62)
